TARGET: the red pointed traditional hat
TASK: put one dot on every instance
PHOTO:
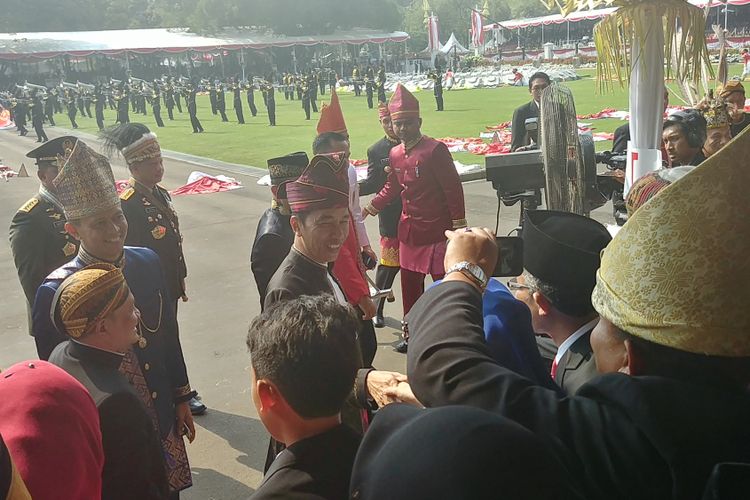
(403, 104)
(323, 184)
(331, 117)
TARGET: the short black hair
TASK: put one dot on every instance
(539, 75)
(574, 303)
(692, 124)
(323, 141)
(308, 348)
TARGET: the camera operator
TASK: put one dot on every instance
(684, 134)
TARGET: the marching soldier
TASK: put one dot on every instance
(50, 106)
(299, 82)
(213, 98)
(99, 106)
(437, 77)
(250, 89)
(122, 99)
(369, 91)
(169, 100)
(38, 239)
(285, 83)
(381, 84)
(306, 99)
(70, 102)
(177, 96)
(20, 112)
(321, 81)
(152, 219)
(79, 103)
(274, 236)
(270, 103)
(192, 108)
(156, 105)
(221, 104)
(237, 102)
(312, 84)
(356, 82)
(86, 102)
(332, 80)
(37, 118)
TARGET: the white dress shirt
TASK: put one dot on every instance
(356, 209)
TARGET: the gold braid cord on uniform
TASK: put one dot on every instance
(677, 273)
(89, 295)
(145, 148)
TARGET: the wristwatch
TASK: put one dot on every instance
(471, 271)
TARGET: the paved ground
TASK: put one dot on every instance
(227, 456)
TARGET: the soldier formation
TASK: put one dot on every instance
(134, 96)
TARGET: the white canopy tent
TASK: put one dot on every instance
(453, 46)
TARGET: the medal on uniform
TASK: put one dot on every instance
(69, 249)
(158, 232)
(142, 342)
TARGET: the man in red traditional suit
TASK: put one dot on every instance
(423, 174)
(348, 269)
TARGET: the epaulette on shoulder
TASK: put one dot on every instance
(29, 205)
(125, 195)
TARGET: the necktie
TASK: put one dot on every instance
(553, 371)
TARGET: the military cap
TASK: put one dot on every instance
(46, 154)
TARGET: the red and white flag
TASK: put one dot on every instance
(433, 38)
(477, 28)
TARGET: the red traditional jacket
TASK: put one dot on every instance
(349, 270)
(430, 189)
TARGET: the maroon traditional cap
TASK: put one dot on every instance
(323, 184)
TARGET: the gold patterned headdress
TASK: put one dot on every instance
(88, 296)
(717, 114)
(85, 185)
(145, 148)
(677, 273)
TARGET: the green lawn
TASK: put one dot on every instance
(467, 113)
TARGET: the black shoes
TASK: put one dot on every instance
(378, 321)
(402, 347)
(196, 407)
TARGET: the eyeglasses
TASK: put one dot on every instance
(514, 285)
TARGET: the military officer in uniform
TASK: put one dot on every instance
(38, 238)
(99, 101)
(369, 89)
(356, 82)
(377, 172)
(274, 236)
(155, 366)
(152, 219)
(306, 99)
(190, 92)
(212, 97)
(37, 118)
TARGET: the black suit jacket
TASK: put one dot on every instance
(133, 461)
(577, 366)
(518, 126)
(273, 239)
(296, 276)
(316, 468)
(620, 141)
(378, 156)
(619, 436)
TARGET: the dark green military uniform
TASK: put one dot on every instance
(38, 238)
(153, 223)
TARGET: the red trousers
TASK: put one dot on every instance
(412, 287)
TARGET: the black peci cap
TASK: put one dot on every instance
(287, 168)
